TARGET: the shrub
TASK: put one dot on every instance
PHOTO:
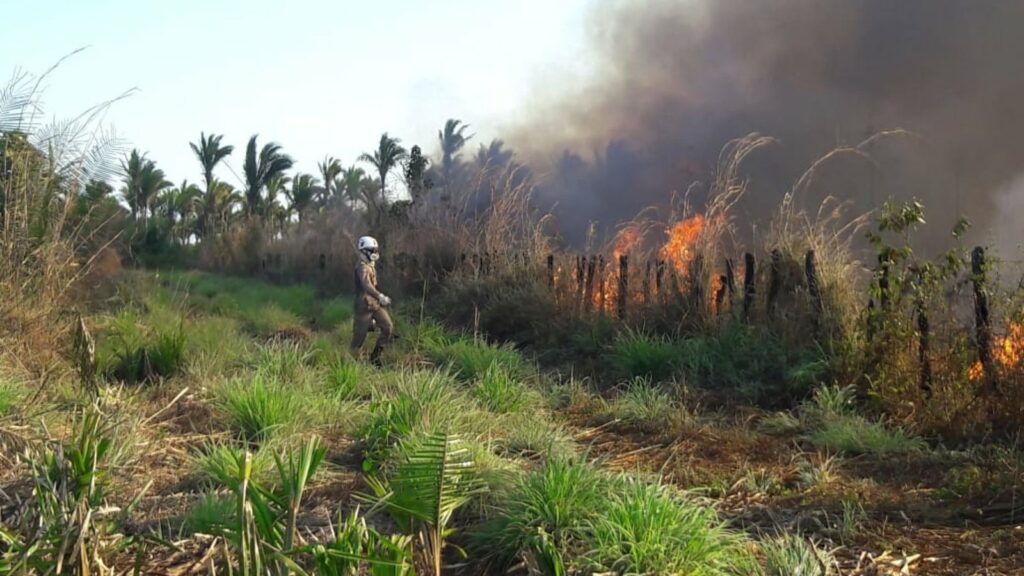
(259, 408)
(791, 555)
(645, 406)
(648, 529)
(499, 392)
(638, 355)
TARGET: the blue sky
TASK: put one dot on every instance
(317, 76)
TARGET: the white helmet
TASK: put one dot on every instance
(369, 248)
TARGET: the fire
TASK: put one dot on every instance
(625, 241)
(1007, 352)
(678, 250)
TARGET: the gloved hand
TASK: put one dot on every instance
(384, 300)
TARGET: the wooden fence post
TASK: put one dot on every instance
(551, 271)
(623, 286)
(697, 278)
(659, 280)
(601, 280)
(730, 279)
(982, 318)
(588, 294)
(923, 347)
(774, 281)
(645, 285)
(749, 290)
(813, 287)
(723, 284)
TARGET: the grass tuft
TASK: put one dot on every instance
(645, 406)
(259, 408)
(500, 392)
(791, 555)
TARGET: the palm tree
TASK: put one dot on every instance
(261, 169)
(276, 187)
(493, 155)
(219, 205)
(187, 208)
(300, 197)
(385, 158)
(452, 139)
(210, 153)
(143, 181)
(330, 168)
(350, 184)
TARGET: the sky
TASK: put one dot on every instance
(319, 77)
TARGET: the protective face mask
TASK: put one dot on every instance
(374, 257)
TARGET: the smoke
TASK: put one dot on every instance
(676, 79)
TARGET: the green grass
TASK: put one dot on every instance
(646, 406)
(638, 355)
(549, 505)
(342, 379)
(470, 359)
(214, 513)
(285, 362)
(528, 436)
(334, 312)
(500, 392)
(138, 348)
(259, 408)
(10, 394)
(215, 346)
(792, 555)
(856, 435)
(648, 528)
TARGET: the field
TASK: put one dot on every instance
(242, 432)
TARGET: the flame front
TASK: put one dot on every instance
(678, 250)
(1007, 352)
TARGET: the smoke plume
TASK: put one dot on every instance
(677, 79)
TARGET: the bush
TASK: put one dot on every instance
(638, 355)
(499, 392)
(648, 529)
(260, 408)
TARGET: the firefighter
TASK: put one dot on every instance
(370, 303)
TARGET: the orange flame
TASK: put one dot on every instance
(1008, 351)
(678, 250)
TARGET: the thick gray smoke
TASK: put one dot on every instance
(676, 79)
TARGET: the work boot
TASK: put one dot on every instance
(375, 356)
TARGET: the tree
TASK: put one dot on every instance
(210, 153)
(384, 159)
(276, 188)
(416, 178)
(219, 205)
(452, 139)
(493, 155)
(300, 197)
(329, 168)
(143, 181)
(259, 170)
(351, 184)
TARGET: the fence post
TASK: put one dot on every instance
(720, 294)
(601, 280)
(697, 279)
(659, 280)
(923, 347)
(774, 281)
(813, 287)
(551, 271)
(645, 285)
(623, 285)
(588, 294)
(749, 290)
(982, 319)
